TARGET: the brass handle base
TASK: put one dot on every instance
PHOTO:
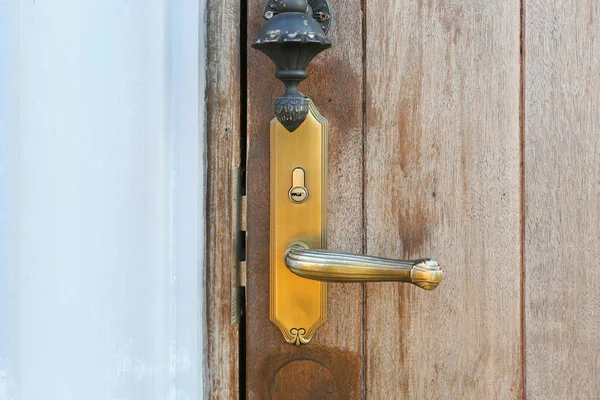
(329, 266)
(298, 212)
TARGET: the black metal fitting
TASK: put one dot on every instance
(293, 34)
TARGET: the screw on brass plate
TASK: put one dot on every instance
(298, 193)
(322, 16)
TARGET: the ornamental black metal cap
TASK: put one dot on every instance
(293, 34)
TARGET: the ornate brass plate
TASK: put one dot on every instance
(298, 305)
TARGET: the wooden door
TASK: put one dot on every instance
(463, 131)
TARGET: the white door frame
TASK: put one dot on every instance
(102, 223)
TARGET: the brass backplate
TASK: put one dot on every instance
(298, 305)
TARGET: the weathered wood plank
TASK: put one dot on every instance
(443, 180)
(335, 85)
(562, 219)
(223, 119)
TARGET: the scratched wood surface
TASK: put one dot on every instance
(439, 171)
(223, 152)
(443, 180)
(562, 199)
(331, 365)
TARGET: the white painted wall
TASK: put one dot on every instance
(101, 199)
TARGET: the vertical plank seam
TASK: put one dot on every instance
(243, 137)
(522, 184)
(364, 186)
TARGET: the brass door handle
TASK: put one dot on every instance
(329, 266)
(295, 31)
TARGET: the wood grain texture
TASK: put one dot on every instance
(562, 199)
(223, 152)
(335, 84)
(442, 174)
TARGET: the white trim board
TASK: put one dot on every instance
(102, 199)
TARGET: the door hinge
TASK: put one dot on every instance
(238, 243)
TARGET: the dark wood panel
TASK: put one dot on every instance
(442, 175)
(223, 131)
(562, 199)
(333, 359)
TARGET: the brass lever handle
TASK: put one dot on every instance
(324, 265)
(295, 31)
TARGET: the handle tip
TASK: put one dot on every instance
(427, 274)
